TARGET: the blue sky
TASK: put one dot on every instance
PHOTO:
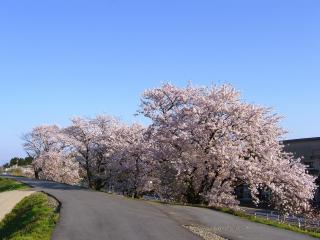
(60, 58)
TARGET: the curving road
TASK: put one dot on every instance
(90, 215)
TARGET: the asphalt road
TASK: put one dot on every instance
(90, 215)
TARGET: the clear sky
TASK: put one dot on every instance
(61, 58)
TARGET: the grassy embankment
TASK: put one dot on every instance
(34, 218)
(9, 185)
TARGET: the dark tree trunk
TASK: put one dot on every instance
(36, 174)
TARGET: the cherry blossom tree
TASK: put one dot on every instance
(59, 167)
(40, 140)
(50, 160)
(91, 142)
(131, 157)
(201, 145)
(217, 142)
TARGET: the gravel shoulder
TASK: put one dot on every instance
(10, 198)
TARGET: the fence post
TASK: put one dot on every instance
(299, 224)
(255, 215)
(267, 216)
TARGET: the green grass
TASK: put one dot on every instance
(9, 185)
(34, 218)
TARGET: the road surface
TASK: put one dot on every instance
(87, 214)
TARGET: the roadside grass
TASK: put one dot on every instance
(9, 185)
(34, 218)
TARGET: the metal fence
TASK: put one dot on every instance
(300, 222)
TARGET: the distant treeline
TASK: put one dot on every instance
(18, 161)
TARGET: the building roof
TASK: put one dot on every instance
(302, 140)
